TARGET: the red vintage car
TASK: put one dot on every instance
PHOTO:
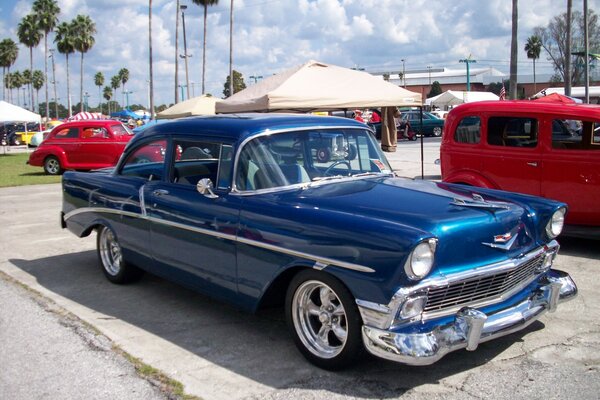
(81, 145)
(534, 147)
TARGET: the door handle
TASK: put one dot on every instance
(160, 192)
(532, 163)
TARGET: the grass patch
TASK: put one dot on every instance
(16, 173)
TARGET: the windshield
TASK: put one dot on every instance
(291, 158)
(121, 130)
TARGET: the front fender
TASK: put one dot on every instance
(472, 178)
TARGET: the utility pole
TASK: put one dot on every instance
(586, 44)
(177, 52)
(185, 54)
(468, 61)
(54, 83)
(403, 74)
(429, 70)
(568, 50)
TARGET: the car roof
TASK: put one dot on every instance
(238, 127)
(527, 106)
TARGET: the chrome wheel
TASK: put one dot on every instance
(110, 252)
(319, 319)
(437, 131)
(52, 166)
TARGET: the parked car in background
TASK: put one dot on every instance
(543, 149)
(432, 125)
(82, 145)
(38, 138)
(305, 211)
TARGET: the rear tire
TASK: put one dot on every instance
(111, 259)
(437, 131)
(323, 318)
(52, 166)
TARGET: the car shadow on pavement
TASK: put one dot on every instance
(573, 246)
(257, 347)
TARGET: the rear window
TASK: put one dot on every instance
(468, 131)
(121, 130)
(575, 134)
(67, 133)
(512, 132)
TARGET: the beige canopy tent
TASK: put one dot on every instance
(316, 86)
(201, 105)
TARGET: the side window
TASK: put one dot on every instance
(468, 131)
(92, 132)
(595, 134)
(567, 134)
(147, 161)
(67, 133)
(195, 160)
(512, 132)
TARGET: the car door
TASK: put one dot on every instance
(571, 170)
(67, 139)
(193, 235)
(513, 155)
(96, 146)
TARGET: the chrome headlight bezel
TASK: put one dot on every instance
(420, 261)
(556, 223)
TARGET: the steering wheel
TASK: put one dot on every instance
(335, 164)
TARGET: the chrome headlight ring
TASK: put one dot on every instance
(556, 223)
(421, 259)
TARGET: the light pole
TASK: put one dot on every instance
(54, 82)
(185, 54)
(468, 61)
(429, 69)
(256, 78)
(127, 93)
(85, 101)
(182, 96)
(403, 73)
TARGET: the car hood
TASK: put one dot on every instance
(482, 226)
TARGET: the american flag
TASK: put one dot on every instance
(502, 93)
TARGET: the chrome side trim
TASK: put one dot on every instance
(320, 262)
(142, 201)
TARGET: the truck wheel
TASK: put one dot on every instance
(52, 166)
(111, 259)
(324, 320)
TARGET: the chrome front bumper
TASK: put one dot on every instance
(470, 326)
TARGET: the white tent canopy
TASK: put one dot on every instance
(201, 105)
(454, 98)
(316, 86)
(11, 113)
(576, 91)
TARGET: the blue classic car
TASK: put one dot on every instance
(305, 212)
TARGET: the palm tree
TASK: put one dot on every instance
(16, 80)
(65, 43)
(107, 93)
(533, 47)
(9, 51)
(46, 12)
(123, 77)
(115, 82)
(513, 51)
(83, 32)
(26, 80)
(99, 81)
(205, 4)
(29, 35)
(37, 79)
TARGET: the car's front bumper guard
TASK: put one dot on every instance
(470, 326)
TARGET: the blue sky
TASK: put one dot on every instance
(272, 35)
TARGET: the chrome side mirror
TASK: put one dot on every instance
(205, 188)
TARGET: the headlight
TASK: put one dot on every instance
(556, 223)
(421, 259)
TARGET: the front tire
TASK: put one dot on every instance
(324, 320)
(52, 166)
(437, 131)
(111, 259)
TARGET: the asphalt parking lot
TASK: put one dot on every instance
(218, 352)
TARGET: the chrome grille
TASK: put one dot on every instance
(481, 288)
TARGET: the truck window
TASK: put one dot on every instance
(512, 132)
(468, 130)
